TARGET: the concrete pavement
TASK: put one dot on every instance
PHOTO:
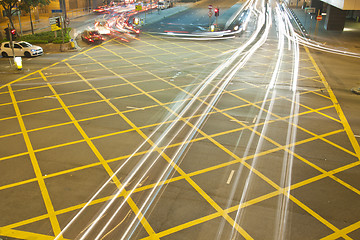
(346, 40)
(156, 15)
(40, 24)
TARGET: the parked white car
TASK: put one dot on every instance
(20, 49)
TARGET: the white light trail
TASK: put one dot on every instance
(211, 77)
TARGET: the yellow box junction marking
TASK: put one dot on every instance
(101, 159)
(44, 192)
(343, 119)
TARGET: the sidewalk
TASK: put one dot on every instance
(347, 40)
(41, 24)
(155, 15)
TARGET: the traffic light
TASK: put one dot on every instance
(58, 22)
(13, 34)
(10, 31)
(216, 10)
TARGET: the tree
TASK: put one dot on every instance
(26, 5)
(12, 7)
(8, 6)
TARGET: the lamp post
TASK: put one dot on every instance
(17, 5)
(63, 8)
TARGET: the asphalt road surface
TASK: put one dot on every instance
(166, 138)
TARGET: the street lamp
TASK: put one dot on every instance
(19, 2)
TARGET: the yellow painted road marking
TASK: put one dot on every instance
(24, 235)
(214, 215)
(44, 192)
(343, 232)
(195, 222)
(168, 159)
(100, 158)
(189, 49)
(47, 67)
(256, 172)
(317, 216)
(343, 119)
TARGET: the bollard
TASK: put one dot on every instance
(72, 44)
(136, 21)
(18, 63)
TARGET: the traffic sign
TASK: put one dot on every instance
(319, 18)
(210, 14)
(310, 10)
(56, 11)
(52, 20)
(67, 21)
(210, 6)
(54, 27)
(138, 7)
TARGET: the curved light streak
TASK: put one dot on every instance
(211, 77)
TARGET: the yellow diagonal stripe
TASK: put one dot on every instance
(44, 192)
(343, 119)
(6, 232)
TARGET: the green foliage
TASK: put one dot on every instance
(11, 7)
(46, 37)
(37, 41)
(27, 4)
(59, 39)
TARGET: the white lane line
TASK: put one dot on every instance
(49, 97)
(254, 119)
(230, 176)
(135, 108)
(143, 181)
(357, 136)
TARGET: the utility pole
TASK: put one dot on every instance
(32, 26)
(11, 42)
(63, 8)
(18, 13)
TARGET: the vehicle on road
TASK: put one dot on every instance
(100, 10)
(102, 26)
(92, 36)
(21, 48)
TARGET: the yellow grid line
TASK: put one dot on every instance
(44, 68)
(343, 232)
(44, 192)
(197, 221)
(105, 165)
(343, 119)
(24, 235)
(261, 175)
(189, 180)
(174, 145)
(297, 126)
(292, 198)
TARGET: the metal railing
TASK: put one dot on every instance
(78, 12)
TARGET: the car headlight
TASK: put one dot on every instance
(33, 50)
